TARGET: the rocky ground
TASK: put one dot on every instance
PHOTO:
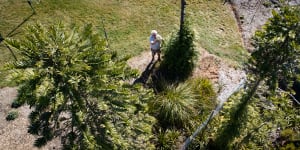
(252, 14)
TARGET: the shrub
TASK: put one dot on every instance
(16, 104)
(180, 55)
(174, 107)
(205, 95)
(12, 115)
(167, 140)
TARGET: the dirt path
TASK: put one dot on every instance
(224, 77)
(13, 134)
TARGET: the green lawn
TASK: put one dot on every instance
(128, 23)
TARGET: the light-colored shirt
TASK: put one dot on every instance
(157, 42)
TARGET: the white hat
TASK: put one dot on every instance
(154, 32)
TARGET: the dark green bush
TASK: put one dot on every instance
(16, 104)
(12, 115)
(179, 57)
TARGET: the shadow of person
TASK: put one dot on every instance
(146, 73)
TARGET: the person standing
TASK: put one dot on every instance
(155, 44)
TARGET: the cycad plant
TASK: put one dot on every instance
(77, 89)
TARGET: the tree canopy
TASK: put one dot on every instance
(79, 90)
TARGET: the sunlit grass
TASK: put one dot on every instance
(128, 22)
(217, 31)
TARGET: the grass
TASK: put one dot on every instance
(217, 31)
(128, 23)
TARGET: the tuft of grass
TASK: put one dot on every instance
(128, 23)
(174, 107)
(167, 139)
(205, 95)
(12, 115)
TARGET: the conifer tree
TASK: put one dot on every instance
(276, 55)
(77, 90)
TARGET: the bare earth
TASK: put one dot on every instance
(13, 134)
(224, 77)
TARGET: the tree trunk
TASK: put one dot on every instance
(183, 3)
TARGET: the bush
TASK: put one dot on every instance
(205, 95)
(174, 107)
(167, 140)
(12, 115)
(16, 104)
(180, 55)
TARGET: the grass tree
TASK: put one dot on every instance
(77, 90)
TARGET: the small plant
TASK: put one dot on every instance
(174, 107)
(16, 104)
(12, 115)
(205, 95)
(267, 4)
(167, 140)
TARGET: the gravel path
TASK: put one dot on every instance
(13, 134)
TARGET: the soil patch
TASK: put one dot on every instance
(224, 77)
(13, 134)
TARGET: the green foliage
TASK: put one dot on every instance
(16, 104)
(12, 115)
(205, 95)
(181, 106)
(206, 100)
(78, 91)
(238, 117)
(259, 123)
(275, 57)
(174, 107)
(180, 56)
(277, 46)
(167, 140)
